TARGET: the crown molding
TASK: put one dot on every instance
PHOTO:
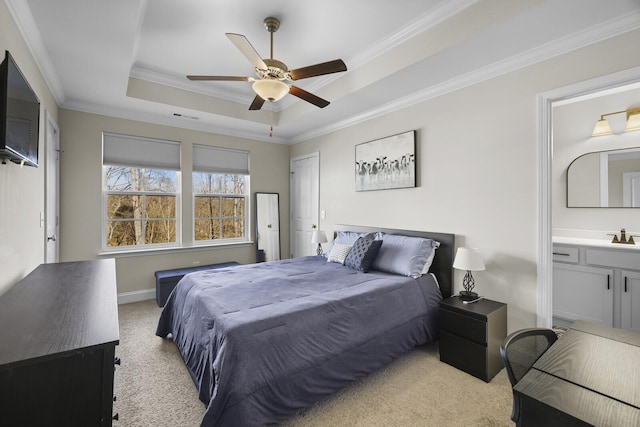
(21, 14)
(176, 122)
(598, 33)
(439, 14)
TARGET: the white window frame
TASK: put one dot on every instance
(130, 162)
(221, 161)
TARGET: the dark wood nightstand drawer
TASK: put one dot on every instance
(470, 335)
(464, 326)
(463, 354)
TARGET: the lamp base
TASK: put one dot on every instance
(468, 295)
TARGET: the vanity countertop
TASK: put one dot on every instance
(602, 243)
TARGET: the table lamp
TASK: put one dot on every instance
(470, 260)
(319, 237)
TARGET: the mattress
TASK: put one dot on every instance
(263, 341)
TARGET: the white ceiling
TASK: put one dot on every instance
(129, 58)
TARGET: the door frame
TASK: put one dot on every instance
(545, 103)
(49, 187)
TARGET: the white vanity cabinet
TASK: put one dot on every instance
(630, 300)
(598, 283)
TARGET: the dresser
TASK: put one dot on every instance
(470, 335)
(58, 337)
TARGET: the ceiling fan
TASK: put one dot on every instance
(273, 75)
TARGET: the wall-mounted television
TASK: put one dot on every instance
(19, 116)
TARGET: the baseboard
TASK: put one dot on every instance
(135, 296)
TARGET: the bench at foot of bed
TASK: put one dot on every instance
(166, 280)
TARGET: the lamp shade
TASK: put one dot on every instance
(633, 123)
(270, 90)
(602, 128)
(468, 259)
(318, 237)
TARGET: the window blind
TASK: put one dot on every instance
(135, 151)
(220, 160)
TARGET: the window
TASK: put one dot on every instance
(220, 194)
(140, 192)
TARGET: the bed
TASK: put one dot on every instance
(263, 341)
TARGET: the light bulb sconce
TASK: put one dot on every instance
(633, 122)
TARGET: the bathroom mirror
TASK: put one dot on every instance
(605, 179)
(268, 226)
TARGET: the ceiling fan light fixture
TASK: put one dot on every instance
(270, 90)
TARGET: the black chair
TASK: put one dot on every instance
(519, 352)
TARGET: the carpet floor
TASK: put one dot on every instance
(153, 388)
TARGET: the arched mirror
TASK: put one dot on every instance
(268, 226)
(605, 179)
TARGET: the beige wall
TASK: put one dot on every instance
(476, 170)
(573, 124)
(81, 197)
(22, 189)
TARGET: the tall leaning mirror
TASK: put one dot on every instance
(268, 226)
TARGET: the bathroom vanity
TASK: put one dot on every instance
(597, 281)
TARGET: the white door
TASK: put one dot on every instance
(305, 195)
(52, 186)
(631, 189)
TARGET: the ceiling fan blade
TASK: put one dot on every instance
(335, 66)
(257, 103)
(247, 50)
(309, 97)
(220, 78)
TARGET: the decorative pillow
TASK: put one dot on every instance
(347, 238)
(362, 254)
(338, 253)
(408, 256)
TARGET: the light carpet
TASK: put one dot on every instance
(153, 388)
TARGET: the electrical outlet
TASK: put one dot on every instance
(323, 214)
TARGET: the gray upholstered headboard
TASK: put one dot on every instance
(442, 265)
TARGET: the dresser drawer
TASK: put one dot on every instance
(566, 254)
(463, 326)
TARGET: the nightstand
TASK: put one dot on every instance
(470, 335)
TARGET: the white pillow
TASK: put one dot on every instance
(347, 238)
(338, 253)
(404, 255)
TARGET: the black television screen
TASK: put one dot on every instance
(19, 116)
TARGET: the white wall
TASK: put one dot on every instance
(22, 189)
(573, 124)
(477, 170)
(81, 194)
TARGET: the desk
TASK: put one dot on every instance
(590, 376)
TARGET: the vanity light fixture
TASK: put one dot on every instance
(633, 122)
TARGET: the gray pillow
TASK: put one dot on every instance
(404, 255)
(362, 254)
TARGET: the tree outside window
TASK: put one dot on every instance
(220, 206)
(141, 206)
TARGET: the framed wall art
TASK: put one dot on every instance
(386, 163)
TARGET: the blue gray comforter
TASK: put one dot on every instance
(263, 341)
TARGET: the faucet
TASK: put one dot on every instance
(623, 238)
